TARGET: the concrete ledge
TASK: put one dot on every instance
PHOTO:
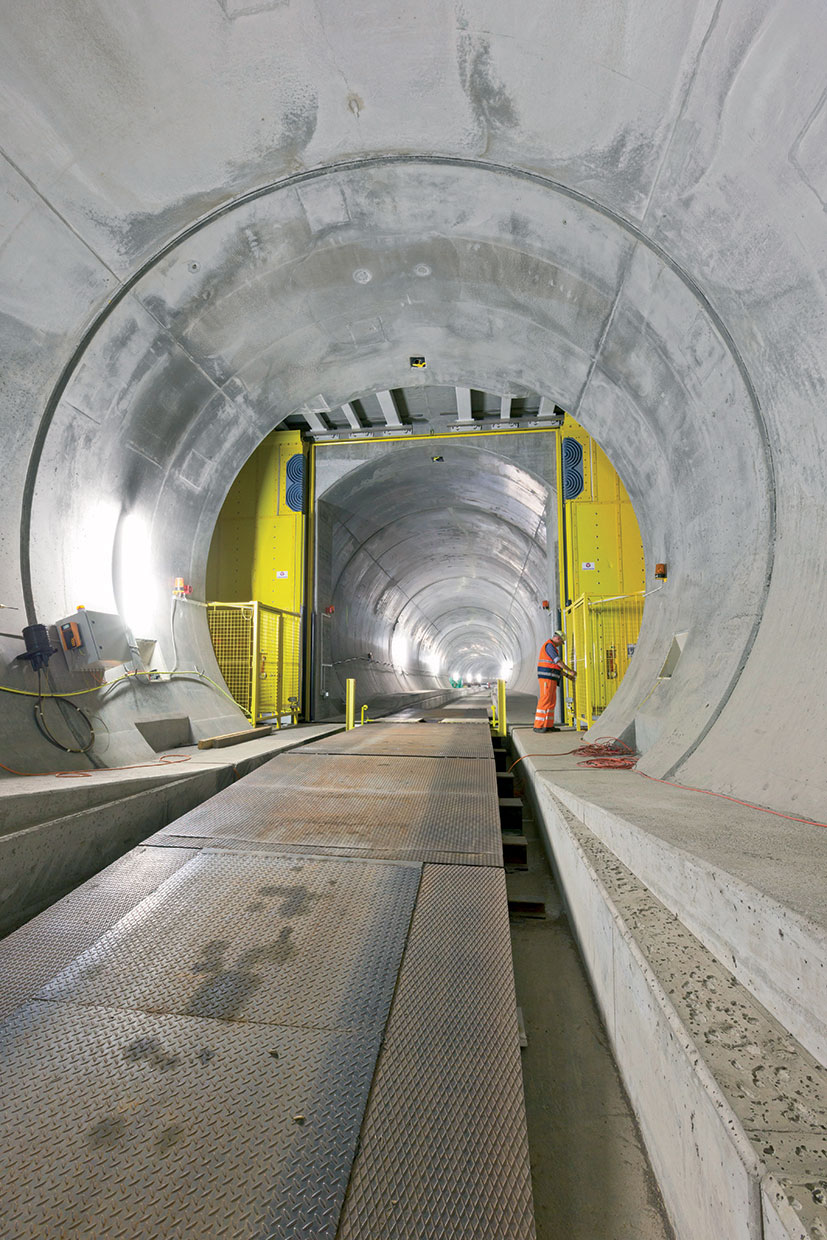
(723, 1094)
(41, 863)
(59, 832)
(780, 956)
(44, 798)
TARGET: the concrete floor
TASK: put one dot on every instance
(591, 1177)
(783, 859)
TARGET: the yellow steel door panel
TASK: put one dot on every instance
(602, 578)
(258, 545)
(257, 553)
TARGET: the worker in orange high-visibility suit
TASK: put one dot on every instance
(550, 672)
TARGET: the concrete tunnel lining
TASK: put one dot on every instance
(161, 365)
(215, 215)
(405, 542)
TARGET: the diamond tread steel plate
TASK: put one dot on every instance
(127, 1126)
(443, 1149)
(32, 955)
(433, 809)
(254, 938)
(422, 740)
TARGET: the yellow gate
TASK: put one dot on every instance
(601, 635)
(259, 652)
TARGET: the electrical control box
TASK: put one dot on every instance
(94, 639)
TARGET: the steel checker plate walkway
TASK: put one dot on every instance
(410, 740)
(201, 1024)
(129, 1126)
(434, 809)
(260, 939)
(47, 943)
(443, 1151)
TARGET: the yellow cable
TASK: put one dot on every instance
(118, 680)
(77, 692)
(659, 680)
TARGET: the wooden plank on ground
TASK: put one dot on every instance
(235, 738)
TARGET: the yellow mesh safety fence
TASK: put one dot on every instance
(259, 651)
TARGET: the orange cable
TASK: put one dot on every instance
(607, 751)
(749, 804)
(167, 759)
(624, 762)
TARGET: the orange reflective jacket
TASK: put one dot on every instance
(548, 662)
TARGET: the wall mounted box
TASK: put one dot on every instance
(94, 639)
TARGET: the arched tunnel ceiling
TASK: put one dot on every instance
(633, 228)
(417, 554)
(258, 314)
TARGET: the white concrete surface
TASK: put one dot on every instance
(733, 875)
(705, 1168)
(723, 1094)
(778, 955)
(619, 206)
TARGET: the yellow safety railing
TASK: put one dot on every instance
(259, 652)
(600, 639)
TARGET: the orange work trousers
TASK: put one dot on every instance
(544, 717)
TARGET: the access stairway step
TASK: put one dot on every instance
(515, 850)
(511, 813)
(505, 784)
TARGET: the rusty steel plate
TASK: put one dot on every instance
(122, 1125)
(443, 1150)
(433, 809)
(259, 939)
(421, 740)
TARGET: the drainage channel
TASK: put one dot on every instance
(591, 1178)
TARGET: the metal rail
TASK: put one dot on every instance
(259, 652)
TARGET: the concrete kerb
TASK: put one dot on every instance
(59, 833)
(778, 955)
(694, 1136)
(705, 1166)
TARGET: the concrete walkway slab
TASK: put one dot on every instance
(27, 800)
(747, 883)
(787, 860)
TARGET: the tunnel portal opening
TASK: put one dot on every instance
(425, 554)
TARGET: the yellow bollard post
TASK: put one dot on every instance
(501, 720)
(350, 705)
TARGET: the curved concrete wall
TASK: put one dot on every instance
(433, 568)
(619, 207)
